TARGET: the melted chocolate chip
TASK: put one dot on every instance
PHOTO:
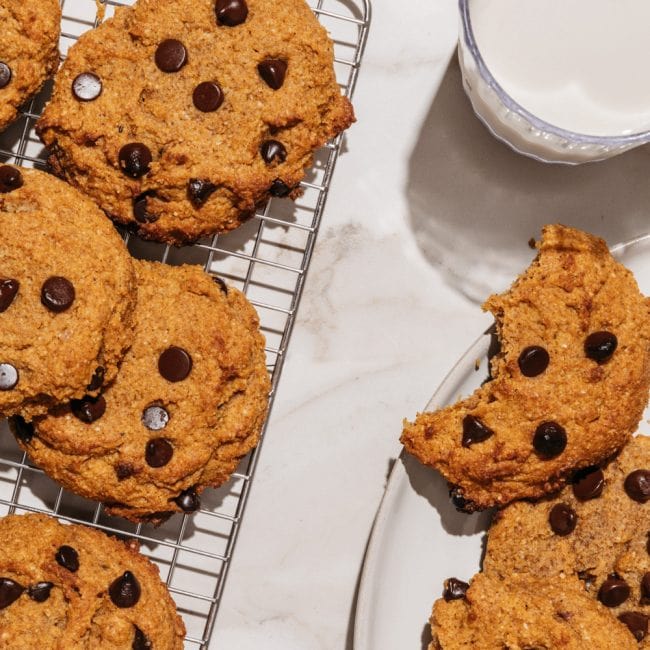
(474, 431)
(89, 408)
(5, 74)
(637, 485)
(207, 96)
(124, 470)
(68, 558)
(141, 641)
(273, 72)
(613, 592)
(155, 417)
(588, 483)
(158, 452)
(24, 431)
(97, 380)
(10, 591)
(273, 151)
(86, 87)
(549, 440)
(135, 159)
(57, 294)
(188, 500)
(199, 190)
(279, 189)
(171, 55)
(636, 622)
(8, 291)
(40, 592)
(8, 376)
(600, 346)
(533, 361)
(174, 364)
(231, 12)
(140, 212)
(125, 590)
(460, 502)
(562, 519)
(10, 179)
(221, 284)
(454, 589)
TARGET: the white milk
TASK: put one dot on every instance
(581, 65)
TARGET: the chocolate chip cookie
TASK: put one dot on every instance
(187, 405)
(180, 128)
(567, 387)
(67, 288)
(29, 51)
(66, 586)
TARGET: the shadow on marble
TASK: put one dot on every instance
(474, 203)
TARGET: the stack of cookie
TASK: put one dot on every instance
(567, 389)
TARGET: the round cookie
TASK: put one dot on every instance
(29, 51)
(67, 289)
(596, 529)
(181, 128)
(187, 405)
(567, 387)
(68, 586)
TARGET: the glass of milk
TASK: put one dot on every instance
(559, 80)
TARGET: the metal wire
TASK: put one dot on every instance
(267, 258)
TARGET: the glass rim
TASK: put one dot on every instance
(607, 140)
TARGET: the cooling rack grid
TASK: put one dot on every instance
(267, 258)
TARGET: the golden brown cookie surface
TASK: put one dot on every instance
(181, 128)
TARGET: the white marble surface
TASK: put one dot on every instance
(425, 210)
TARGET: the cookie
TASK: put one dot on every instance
(181, 128)
(66, 293)
(187, 405)
(596, 529)
(567, 387)
(29, 51)
(524, 612)
(68, 586)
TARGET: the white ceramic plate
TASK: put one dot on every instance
(418, 538)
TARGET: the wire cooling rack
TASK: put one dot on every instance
(267, 258)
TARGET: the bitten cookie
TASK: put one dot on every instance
(521, 613)
(67, 289)
(29, 51)
(596, 529)
(65, 586)
(567, 388)
(187, 405)
(180, 128)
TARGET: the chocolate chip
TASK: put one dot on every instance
(636, 622)
(171, 55)
(533, 361)
(588, 483)
(88, 409)
(647, 543)
(207, 96)
(188, 500)
(5, 74)
(10, 591)
(97, 380)
(10, 179)
(637, 485)
(86, 87)
(273, 151)
(8, 376)
(174, 364)
(454, 589)
(40, 592)
(140, 208)
(474, 431)
(158, 452)
(562, 519)
(155, 417)
(231, 12)
(57, 294)
(124, 470)
(221, 284)
(588, 578)
(125, 590)
(135, 159)
(199, 190)
(460, 502)
(140, 640)
(23, 430)
(613, 592)
(68, 558)
(600, 346)
(273, 72)
(549, 440)
(8, 291)
(279, 188)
